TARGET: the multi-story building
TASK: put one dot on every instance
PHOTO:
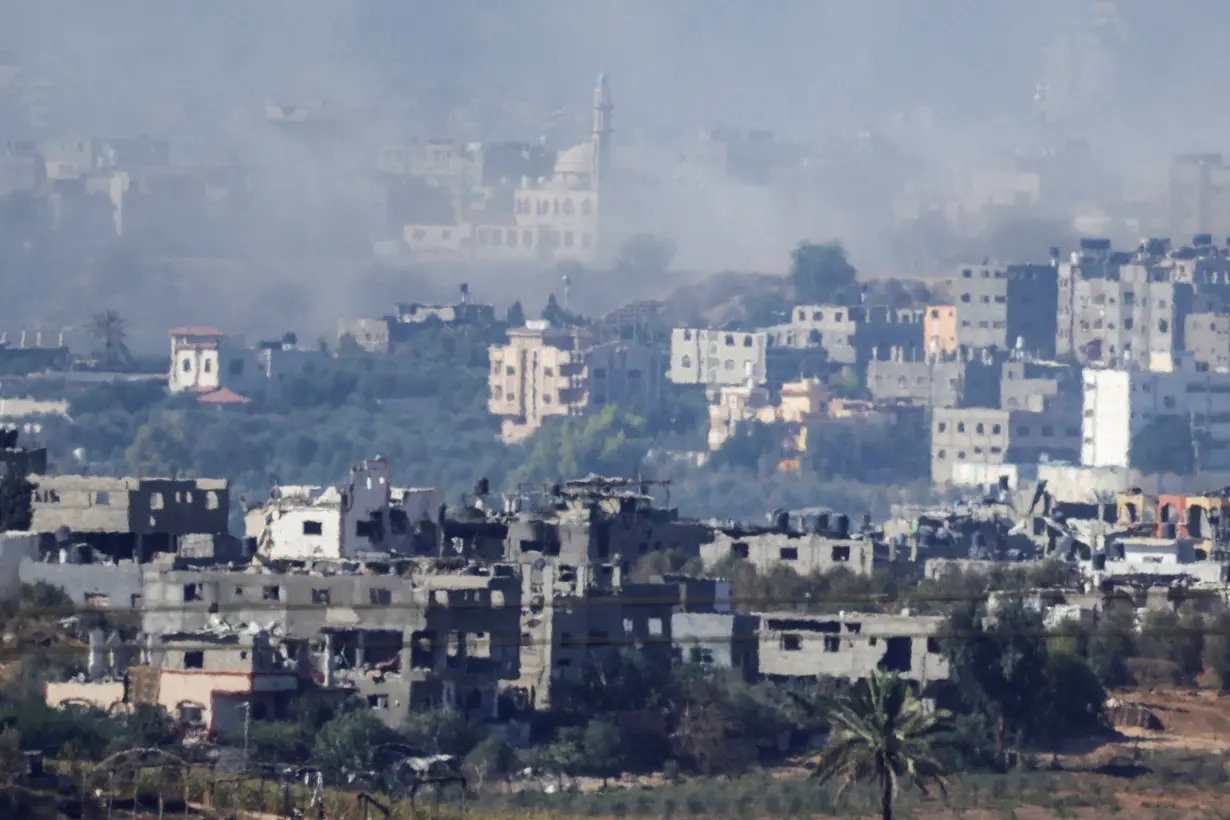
(828, 546)
(1121, 404)
(852, 334)
(998, 436)
(1031, 385)
(935, 381)
(1005, 307)
(717, 357)
(1207, 339)
(940, 330)
(221, 367)
(799, 403)
(544, 372)
(1120, 308)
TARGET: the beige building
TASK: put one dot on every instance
(544, 372)
(799, 403)
(205, 360)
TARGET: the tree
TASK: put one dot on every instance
(490, 758)
(821, 274)
(516, 315)
(15, 492)
(557, 316)
(110, 330)
(345, 747)
(646, 253)
(603, 747)
(882, 735)
(1217, 650)
(1112, 643)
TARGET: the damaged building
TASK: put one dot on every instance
(822, 545)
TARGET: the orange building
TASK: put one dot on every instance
(940, 329)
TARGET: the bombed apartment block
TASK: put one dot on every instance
(1005, 307)
(18, 459)
(716, 640)
(399, 637)
(851, 646)
(594, 521)
(577, 617)
(1030, 385)
(821, 545)
(365, 517)
(212, 682)
(126, 518)
(849, 334)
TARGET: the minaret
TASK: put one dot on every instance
(602, 130)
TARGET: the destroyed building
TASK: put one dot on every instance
(824, 544)
(401, 642)
(851, 646)
(18, 459)
(385, 334)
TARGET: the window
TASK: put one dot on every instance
(791, 643)
(208, 367)
(686, 361)
(730, 340)
(729, 364)
(943, 425)
(942, 454)
(155, 501)
(789, 553)
(380, 597)
(1163, 326)
(568, 239)
(187, 365)
(377, 701)
(313, 528)
(510, 238)
(568, 207)
(960, 455)
(419, 234)
(1047, 431)
(1022, 430)
(841, 554)
(996, 429)
(194, 659)
(747, 341)
(320, 596)
(832, 643)
(102, 499)
(960, 427)
(236, 367)
(271, 593)
(586, 207)
(1169, 402)
(979, 429)
(965, 297)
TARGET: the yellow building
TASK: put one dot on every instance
(545, 371)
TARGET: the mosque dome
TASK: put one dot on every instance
(576, 161)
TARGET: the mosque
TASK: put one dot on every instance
(548, 218)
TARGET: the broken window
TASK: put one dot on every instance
(155, 501)
(841, 553)
(194, 659)
(740, 549)
(377, 701)
(271, 593)
(422, 649)
(789, 553)
(832, 643)
(320, 596)
(97, 600)
(381, 597)
(192, 592)
(791, 642)
(312, 528)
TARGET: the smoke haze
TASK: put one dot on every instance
(879, 97)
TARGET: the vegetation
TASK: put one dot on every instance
(881, 734)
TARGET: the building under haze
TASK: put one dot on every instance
(1199, 195)
(521, 214)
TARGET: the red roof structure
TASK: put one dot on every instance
(223, 395)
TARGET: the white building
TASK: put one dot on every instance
(1120, 404)
(205, 360)
(718, 357)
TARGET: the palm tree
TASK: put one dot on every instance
(110, 330)
(883, 735)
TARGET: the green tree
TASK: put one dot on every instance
(603, 747)
(749, 446)
(516, 315)
(610, 442)
(491, 758)
(557, 316)
(883, 736)
(346, 747)
(1112, 643)
(821, 274)
(440, 731)
(1165, 445)
(110, 332)
(15, 492)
